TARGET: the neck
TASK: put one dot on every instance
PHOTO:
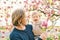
(21, 27)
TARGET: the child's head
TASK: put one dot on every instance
(35, 16)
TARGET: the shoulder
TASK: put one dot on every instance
(29, 26)
(15, 32)
(15, 35)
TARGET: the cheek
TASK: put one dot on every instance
(24, 21)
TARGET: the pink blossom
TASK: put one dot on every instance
(45, 23)
(3, 36)
(59, 12)
(6, 19)
(4, 2)
(8, 7)
(3, 32)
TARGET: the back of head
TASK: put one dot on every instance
(16, 15)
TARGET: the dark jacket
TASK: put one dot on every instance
(26, 34)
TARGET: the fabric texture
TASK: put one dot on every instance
(26, 34)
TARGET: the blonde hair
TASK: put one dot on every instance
(36, 12)
(17, 15)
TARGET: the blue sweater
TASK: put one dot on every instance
(26, 34)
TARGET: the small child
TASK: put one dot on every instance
(36, 23)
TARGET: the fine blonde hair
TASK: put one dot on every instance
(17, 15)
(36, 12)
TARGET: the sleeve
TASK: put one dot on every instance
(15, 38)
(30, 26)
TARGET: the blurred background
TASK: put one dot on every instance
(49, 11)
